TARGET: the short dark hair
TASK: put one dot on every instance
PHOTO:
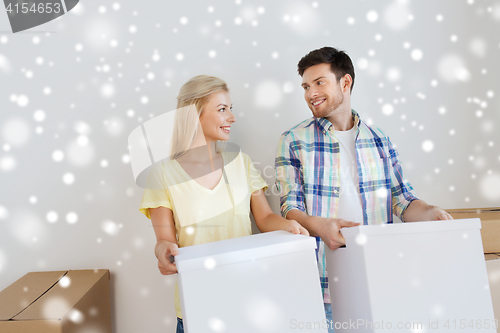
(339, 61)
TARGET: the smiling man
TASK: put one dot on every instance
(335, 171)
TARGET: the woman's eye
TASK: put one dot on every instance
(223, 109)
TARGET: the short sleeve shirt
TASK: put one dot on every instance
(202, 215)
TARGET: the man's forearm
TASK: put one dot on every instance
(415, 211)
(304, 220)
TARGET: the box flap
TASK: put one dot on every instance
(475, 210)
(19, 295)
(485, 214)
(57, 301)
(33, 326)
(491, 256)
(411, 227)
(241, 249)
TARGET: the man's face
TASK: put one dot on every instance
(322, 92)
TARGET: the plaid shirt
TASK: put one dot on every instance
(308, 176)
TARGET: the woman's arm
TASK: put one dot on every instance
(266, 220)
(166, 240)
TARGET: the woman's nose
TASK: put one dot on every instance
(231, 118)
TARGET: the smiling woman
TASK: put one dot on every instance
(195, 97)
(204, 194)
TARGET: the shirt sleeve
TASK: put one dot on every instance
(289, 178)
(254, 178)
(156, 193)
(401, 189)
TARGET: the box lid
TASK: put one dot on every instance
(52, 294)
(411, 227)
(230, 251)
(25, 291)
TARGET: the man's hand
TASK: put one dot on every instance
(295, 228)
(329, 230)
(164, 251)
(435, 213)
(418, 210)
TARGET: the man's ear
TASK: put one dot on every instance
(346, 82)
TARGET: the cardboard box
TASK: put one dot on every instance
(490, 225)
(266, 282)
(57, 302)
(419, 273)
(493, 268)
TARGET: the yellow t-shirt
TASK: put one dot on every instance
(202, 215)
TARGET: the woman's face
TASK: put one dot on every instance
(217, 117)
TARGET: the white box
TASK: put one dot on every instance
(261, 283)
(415, 277)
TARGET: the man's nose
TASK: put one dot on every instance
(311, 93)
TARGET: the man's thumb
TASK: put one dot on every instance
(349, 224)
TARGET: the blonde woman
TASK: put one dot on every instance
(205, 194)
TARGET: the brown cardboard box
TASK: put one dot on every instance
(57, 302)
(493, 269)
(490, 225)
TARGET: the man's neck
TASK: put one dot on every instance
(342, 120)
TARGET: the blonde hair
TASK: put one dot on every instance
(193, 96)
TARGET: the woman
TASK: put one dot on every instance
(204, 194)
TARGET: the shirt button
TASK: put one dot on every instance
(335, 191)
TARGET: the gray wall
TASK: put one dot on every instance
(97, 74)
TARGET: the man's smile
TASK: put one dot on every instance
(318, 102)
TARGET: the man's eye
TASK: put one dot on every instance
(305, 88)
(320, 82)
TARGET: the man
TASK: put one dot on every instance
(335, 171)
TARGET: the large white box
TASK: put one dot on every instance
(261, 283)
(411, 277)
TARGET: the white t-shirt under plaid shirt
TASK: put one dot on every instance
(308, 176)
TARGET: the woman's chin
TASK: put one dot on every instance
(223, 137)
(220, 138)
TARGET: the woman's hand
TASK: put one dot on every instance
(295, 228)
(267, 221)
(164, 251)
